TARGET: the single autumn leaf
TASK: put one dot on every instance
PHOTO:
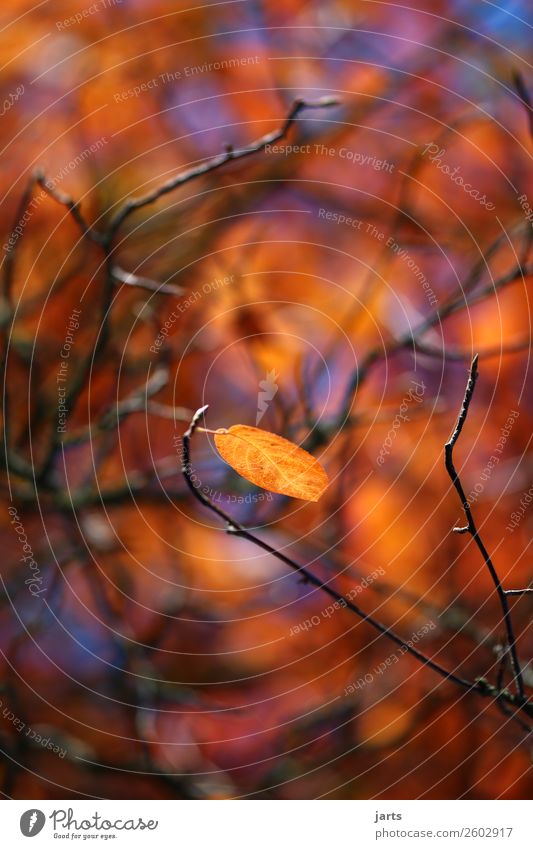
(272, 462)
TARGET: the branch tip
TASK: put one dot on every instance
(194, 421)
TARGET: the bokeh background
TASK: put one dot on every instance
(156, 656)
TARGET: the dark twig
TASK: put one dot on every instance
(471, 529)
(10, 459)
(117, 273)
(213, 164)
(519, 592)
(106, 237)
(503, 653)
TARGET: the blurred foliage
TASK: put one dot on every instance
(160, 655)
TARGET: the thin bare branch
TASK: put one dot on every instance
(471, 529)
(9, 259)
(213, 164)
(130, 279)
(523, 94)
(72, 206)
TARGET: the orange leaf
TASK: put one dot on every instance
(272, 462)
